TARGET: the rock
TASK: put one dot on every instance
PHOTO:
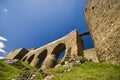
(58, 65)
(12, 79)
(44, 74)
(69, 69)
(16, 63)
(78, 61)
(33, 77)
(71, 65)
(66, 62)
(11, 61)
(1, 72)
(49, 77)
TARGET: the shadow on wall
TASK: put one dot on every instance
(29, 60)
(41, 58)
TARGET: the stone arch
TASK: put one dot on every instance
(56, 52)
(66, 56)
(41, 57)
(24, 58)
(51, 59)
(58, 49)
(29, 60)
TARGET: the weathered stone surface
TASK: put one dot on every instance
(90, 54)
(72, 46)
(17, 54)
(103, 19)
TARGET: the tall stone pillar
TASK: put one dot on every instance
(35, 63)
(74, 41)
(49, 62)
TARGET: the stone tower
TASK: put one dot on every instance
(103, 19)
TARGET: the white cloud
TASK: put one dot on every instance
(3, 39)
(2, 51)
(5, 10)
(1, 57)
(2, 44)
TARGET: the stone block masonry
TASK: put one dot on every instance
(17, 54)
(90, 54)
(103, 19)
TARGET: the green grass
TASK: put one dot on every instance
(56, 70)
(7, 71)
(89, 71)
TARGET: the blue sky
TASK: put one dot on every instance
(34, 23)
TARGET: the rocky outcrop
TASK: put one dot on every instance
(103, 19)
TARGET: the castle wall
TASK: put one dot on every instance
(103, 19)
(90, 54)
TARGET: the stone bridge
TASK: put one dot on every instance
(46, 56)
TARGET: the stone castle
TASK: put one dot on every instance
(103, 19)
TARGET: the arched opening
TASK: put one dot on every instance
(61, 56)
(29, 60)
(41, 58)
(58, 52)
(24, 59)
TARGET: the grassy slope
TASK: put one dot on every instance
(7, 71)
(89, 71)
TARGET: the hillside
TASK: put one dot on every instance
(88, 71)
(18, 70)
